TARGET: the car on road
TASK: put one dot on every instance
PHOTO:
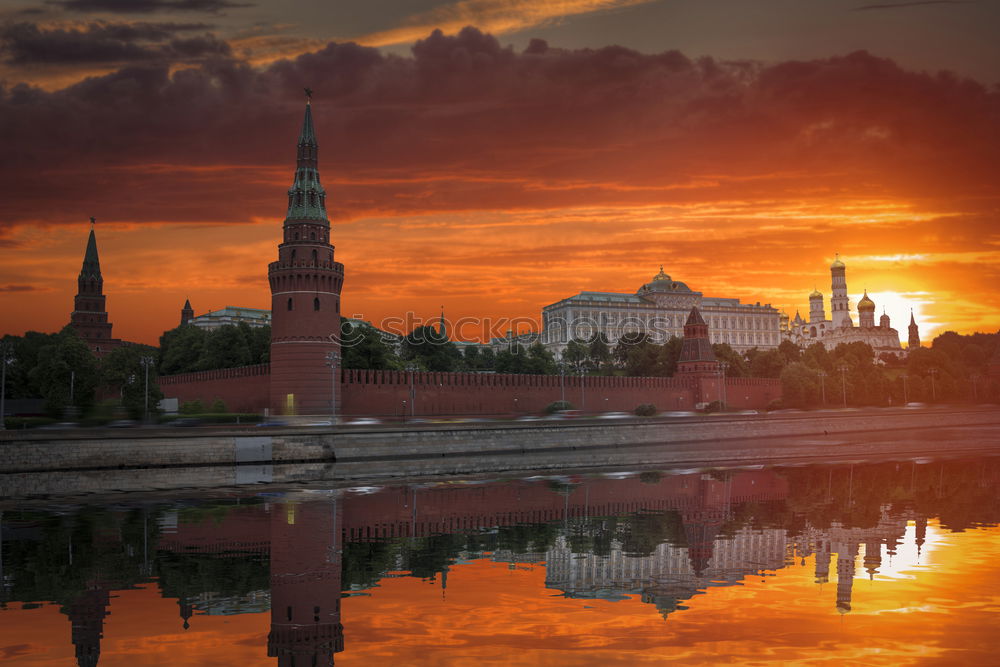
(614, 415)
(359, 421)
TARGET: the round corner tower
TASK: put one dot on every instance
(305, 293)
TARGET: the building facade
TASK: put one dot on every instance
(839, 327)
(254, 317)
(660, 308)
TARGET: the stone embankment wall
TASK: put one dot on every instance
(399, 394)
(35, 466)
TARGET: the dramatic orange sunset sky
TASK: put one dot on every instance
(554, 147)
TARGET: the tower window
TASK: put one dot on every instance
(312, 236)
(296, 236)
(289, 303)
(316, 303)
(293, 254)
(314, 257)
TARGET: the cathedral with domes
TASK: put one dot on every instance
(839, 327)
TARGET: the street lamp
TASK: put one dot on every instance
(725, 398)
(412, 368)
(6, 359)
(905, 395)
(933, 372)
(332, 358)
(562, 382)
(843, 368)
(822, 385)
(146, 362)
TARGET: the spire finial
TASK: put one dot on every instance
(93, 221)
(309, 95)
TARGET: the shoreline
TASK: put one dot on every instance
(120, 462)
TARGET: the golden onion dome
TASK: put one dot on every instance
(866, 303)
(816, 294)
(837, 264)
(661, 275)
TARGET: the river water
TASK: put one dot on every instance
(890, 563)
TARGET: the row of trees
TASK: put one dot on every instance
(61, 370)
(189, 348)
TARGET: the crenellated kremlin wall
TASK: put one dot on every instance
(388, 394)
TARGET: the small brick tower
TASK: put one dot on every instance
(305, 293)
(914, 334)
(90, 316)
(697, 361)
(187, 312)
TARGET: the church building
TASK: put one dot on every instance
(839, 327)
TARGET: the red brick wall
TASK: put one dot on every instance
(384, 392)
(387, 393)
(241, 389)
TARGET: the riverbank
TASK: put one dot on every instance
(39, 464)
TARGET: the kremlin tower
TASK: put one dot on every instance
(90, 316)
(914, 339)
(305, 293)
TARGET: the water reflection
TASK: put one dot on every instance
(658, 537)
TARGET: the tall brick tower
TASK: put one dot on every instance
(90, 316)
(305, 292)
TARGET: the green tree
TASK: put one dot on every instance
(627, 341)
(737, 364)
(540, 361)
(66, 366)
(430, 349)
(767, 364)
(121, 372)
(575, 355)
(181, 349)
(599, 351)
(800, 386)
(362, 346)
(225, 347)
(668, 356)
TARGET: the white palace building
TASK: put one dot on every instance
(659, 308)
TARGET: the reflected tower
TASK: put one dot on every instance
(86, 614)
(305, 583)
(846, 556)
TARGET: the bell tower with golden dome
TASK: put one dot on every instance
(840, 313)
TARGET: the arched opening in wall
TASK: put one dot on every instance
(289, 303)
(315, 257)
(296, 236)
(293, 254)
(812, 332)
(312, 236)
(316, 303)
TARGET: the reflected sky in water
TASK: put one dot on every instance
(882, 564)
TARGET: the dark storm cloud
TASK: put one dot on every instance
(29, 44)
(19, 288)
(466, 123)
(901, 5)
(147, 6)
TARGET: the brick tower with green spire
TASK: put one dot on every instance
(305, 293)
(90, 316)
